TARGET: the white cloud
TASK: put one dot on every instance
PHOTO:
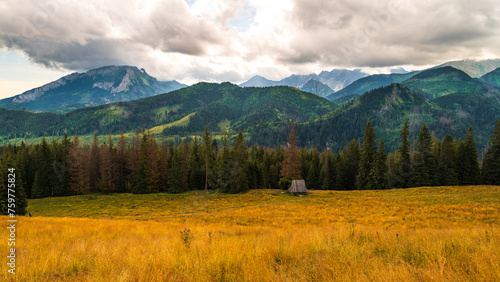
(233, 40)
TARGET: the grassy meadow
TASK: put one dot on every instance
(417, 234)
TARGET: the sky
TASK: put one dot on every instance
(215, 40)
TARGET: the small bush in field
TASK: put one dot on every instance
(186, 237)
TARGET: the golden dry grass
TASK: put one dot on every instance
(419, 234)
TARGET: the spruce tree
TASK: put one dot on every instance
(436, 146)
(3, 189)
(44, 161)
(424, 163)
(378, 174)
(196, 167)
(175, 174)
(263, 182)
(258, 169)
(60, 166)
(490, 173)
(208, 156)
(403, 170)
(78, 168)
(252, 174)
(305, 163)
(313, 176)
(328, 171)
(392, 168)
(133, 157)
(184, 165)
(141, 171)
(468, 160)
(213, 173)
(367, 156)
(27, 167)
(348, 166)
(11, 183)
(153, 176)
(37, 186)
(215, 149)
(239, 166)
(275, 160)
(332, 172)
(163, 165)
(109, 168)
(223, 166)
(447, 162)
(122, 164)
(95, 165)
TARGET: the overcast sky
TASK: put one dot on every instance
(214, 40)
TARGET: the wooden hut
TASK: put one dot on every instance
(298, 187)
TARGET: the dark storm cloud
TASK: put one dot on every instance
(72, 55)
(82, 35)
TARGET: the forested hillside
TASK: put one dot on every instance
(492, 78)
(447, 100)
(146, 166)
(438, 82)
(371, 82)
(186, 111)
(388, 107)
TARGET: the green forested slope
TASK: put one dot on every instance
(390, 106)
(185, 111)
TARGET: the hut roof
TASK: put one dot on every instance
(298, 186)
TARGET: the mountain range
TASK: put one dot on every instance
(95, 87)
(447, 99)
(473, 69)
(323, 84)
(345, 82)
(182, 112)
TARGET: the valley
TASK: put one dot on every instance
(446, 99)
(291, 140)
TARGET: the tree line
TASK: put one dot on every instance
(146, 165)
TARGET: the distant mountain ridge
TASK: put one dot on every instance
(124, 83)
(315, 86)
(371, 82)
(340, 78)
(474, 68)
(258, 81)
(335, 80)
(95, 87)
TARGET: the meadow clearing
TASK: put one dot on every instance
(416, 234)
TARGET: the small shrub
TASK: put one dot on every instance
(285, 183)
(186, 237)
